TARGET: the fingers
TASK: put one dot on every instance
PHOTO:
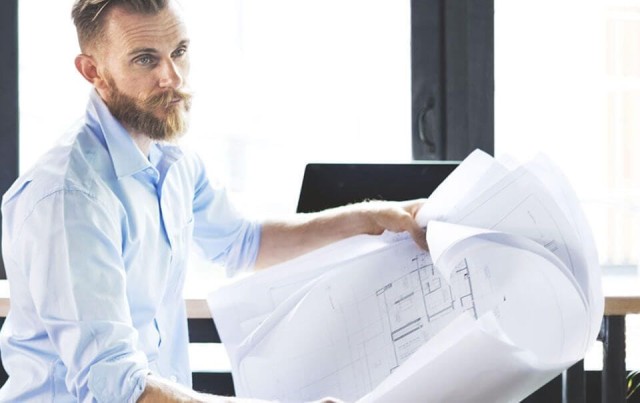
(400, 217)
(418, 233)
(409, 223)
(397, 217)
(413, 206)
(419, 236)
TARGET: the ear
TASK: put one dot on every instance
(88, 68)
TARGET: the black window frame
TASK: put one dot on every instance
(9, 112)
(452, 78)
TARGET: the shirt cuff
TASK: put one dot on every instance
(119, 380)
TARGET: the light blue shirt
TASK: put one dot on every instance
(95, 244)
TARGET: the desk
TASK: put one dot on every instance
(622, 297)
(619, 301)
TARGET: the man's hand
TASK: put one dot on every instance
(395, 217)
(160, 390)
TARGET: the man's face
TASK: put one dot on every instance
(144, 61)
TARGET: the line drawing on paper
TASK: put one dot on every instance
(417, 305)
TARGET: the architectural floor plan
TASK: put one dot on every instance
(420, 303)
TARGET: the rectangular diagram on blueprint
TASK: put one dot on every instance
(419, 304)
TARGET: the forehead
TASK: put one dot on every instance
(127, 31)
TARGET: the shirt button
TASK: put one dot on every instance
(173, 378)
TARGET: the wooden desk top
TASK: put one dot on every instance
(197, 308)
(618, 301)
(622, 292)
(621, 305)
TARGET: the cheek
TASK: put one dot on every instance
(138, 88)
(133, 81)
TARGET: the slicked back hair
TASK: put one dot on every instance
(89, 16)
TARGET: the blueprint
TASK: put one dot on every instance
(507, 294)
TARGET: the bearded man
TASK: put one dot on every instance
(96, 235)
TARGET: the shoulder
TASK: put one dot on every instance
(73, 163)
(75, 168)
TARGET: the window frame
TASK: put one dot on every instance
(9, 113)
(453, 94)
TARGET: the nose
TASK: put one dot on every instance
(170, 75)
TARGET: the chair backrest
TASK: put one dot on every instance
(326, 185)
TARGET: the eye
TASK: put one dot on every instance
(179, 52)
(145, 60)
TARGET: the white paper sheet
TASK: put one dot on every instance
(512, 299)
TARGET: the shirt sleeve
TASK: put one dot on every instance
(223, 235)
(70, 248)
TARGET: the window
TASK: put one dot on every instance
(567, 76)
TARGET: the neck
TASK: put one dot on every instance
(142, 141)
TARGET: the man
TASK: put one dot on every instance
(96, 236)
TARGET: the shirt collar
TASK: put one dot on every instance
(126, 156)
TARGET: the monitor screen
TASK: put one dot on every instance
(326, 185)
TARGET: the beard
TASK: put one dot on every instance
(139, 116)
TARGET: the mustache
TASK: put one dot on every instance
(164, 99)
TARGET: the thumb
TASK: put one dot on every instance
(419, 235)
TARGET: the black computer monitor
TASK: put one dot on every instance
(326, 185)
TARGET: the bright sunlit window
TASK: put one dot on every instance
(277, 84)
(567, 84)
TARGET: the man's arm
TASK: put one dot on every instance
(160, 390)
(285, 239)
